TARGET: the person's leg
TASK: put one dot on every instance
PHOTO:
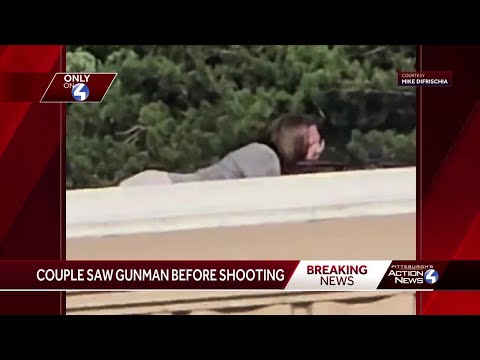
(147, 178)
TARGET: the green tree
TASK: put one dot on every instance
(178, 107)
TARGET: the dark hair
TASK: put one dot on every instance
(287, 134)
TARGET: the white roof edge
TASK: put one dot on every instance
(121, 211)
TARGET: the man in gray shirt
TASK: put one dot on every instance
(293, 137)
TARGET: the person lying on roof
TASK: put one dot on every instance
(293, 138)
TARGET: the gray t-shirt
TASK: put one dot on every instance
(254, 160)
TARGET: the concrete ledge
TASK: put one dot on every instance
(298, 198)
(360, 238)
(349, 215)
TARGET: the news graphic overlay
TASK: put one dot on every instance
(413, 275)
(431, 276)
(294, 275)
(78, 87)
(338, 275)
(239, 275)
(80, 92)
(425, 78)
(147, 275)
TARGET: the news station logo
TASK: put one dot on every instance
(78, 87)
(411, 274)
(425, 78)
(80, 92)
(431, 276)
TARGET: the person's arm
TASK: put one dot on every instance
(256, 160)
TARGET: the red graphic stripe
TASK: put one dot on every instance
(31, 180)
(22, 166)
(452, 303)
(11, 115)
(469, 248)
(454, 196)
(24, 87)
(289, 277)
(44, 199)
(29, 58)
(32, 146)
(450, 172)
